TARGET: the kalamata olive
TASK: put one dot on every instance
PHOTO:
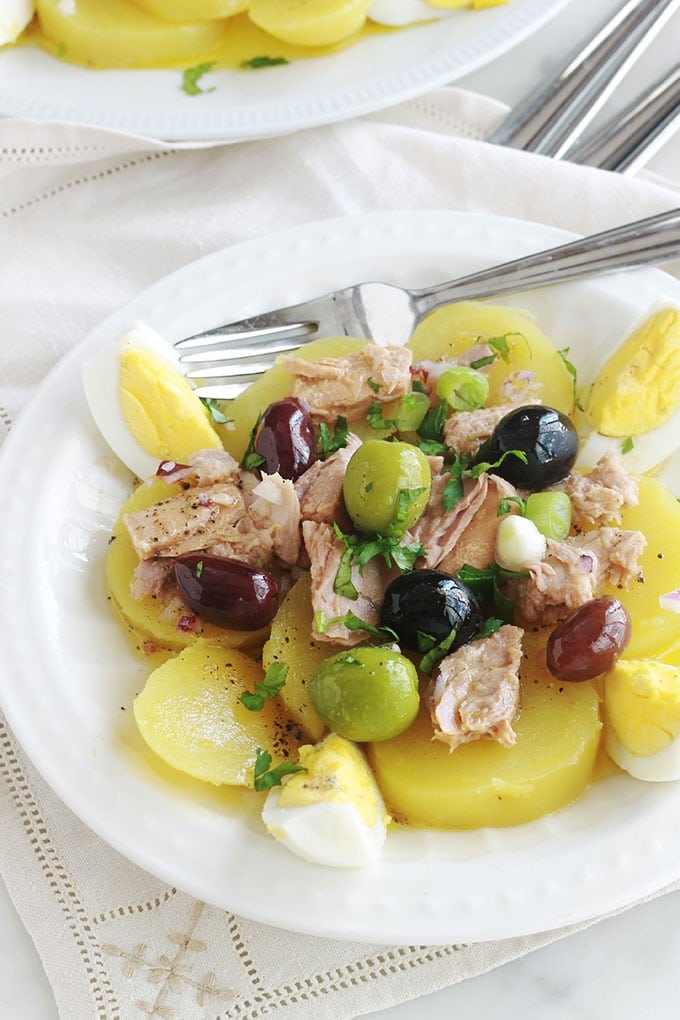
(545, 436)
(430, 602)
(227, 592)
(589, 642)
(286, 438)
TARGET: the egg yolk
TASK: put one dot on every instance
(161, 410)
(336, 773)
(639, 387)
(642, 698)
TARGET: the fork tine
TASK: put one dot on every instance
(221, 372)
(223, 337)
(228, 353)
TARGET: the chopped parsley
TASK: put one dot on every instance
(434, 651)
(505, 505)
(213, 409)
(359, 549)
(431, 429)
(627, 445)
(484, 582)
(193, 75)
(257, 62)
(348, 659)
(373, 384)
(571, 369)
(375, 418)
(500, 347)
(251, 459)
(269, 687)
(264, 777)
(330, 442)
(199, 569)
(404, 500)
(352, 622)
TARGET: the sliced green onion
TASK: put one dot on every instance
(411, 411)
(550, 512)
(463, 388)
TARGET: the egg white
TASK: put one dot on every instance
(648, 451)
(101, 375)
(326, 832)
(664, 766)
(15, 15)
(404, 12)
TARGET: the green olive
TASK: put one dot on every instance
(386, 486)
(366, 693)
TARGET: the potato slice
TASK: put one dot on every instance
(483, 784)
(192, 10)
(190, 715)
(145, 616)
(310, 22)
(117, 33)
(291, 644)
(453, 329)
(655, 630)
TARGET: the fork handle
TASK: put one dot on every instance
(652, 240)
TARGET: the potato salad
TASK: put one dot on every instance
(251, 34)
(430, 585)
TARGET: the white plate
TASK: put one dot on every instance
(375, 73)
(68, 671)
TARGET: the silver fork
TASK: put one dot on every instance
(240, 351)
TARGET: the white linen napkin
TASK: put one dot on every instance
(90, 218)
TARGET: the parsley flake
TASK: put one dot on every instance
(251, 459)
(571, 369)
(264, 777)
(627, 445)
(257, 62)
(193, 75)
(330, 442)
(436, 652)
(431, 429)
(375, 419)
(505, 505)
(199, 569)
(269, 687)
(373, 384)
(213, 409)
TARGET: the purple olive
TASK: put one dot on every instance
(286, 438)
(227, 592)
(589, 642)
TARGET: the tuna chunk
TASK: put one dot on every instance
(212, 466)
(325, 552)
(319, 489)
(475, 691)
(467, 532)
(465, 431)
(189, 521)
(600, 496)
(153, 577)
(334, 387)
(277, 507)
(573, 571)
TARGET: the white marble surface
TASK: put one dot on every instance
(625, 967)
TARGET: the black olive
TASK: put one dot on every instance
(433, 603)
(546, 437)
(286, 438)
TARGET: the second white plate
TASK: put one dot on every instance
(375, 73)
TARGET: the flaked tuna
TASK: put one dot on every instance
(275, 506)
(475, 691)
(346, 387)
(325, 551)
(465, 431)
(600, 496)
(319, 489)
(574, 571)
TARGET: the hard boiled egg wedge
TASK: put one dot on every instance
(404, 12)
(632, 407)
(143, 406)
(332, 813)
(14, 17)
(642, 735)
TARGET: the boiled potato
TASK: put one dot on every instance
(192, 10)
(291, 644)
(118, 33)
(655, 631)
(190, 715)
(310, 22)
(484, 784)
(273, 385)
(451, 330)
(145, 616)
